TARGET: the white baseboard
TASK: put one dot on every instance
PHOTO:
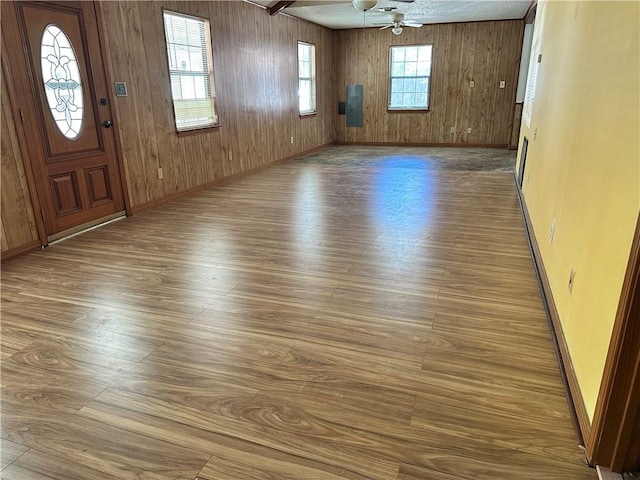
(606, 474)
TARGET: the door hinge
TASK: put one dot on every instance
(42, 216)
(21, 116)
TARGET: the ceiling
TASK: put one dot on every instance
(341, 14)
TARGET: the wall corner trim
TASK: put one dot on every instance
(576, 401)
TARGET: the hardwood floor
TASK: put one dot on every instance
(361, 313)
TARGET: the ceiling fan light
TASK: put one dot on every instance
(364, 5)
(396, 30)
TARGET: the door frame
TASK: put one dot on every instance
(20, 127)
(614, 437)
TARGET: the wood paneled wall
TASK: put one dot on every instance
(486, 52)
(255, 68)
(16, 217)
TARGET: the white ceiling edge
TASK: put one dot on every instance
(338, 16)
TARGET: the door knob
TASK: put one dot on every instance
(107, 124)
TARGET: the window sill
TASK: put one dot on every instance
(408, 110)
(198, 131)
(307, 115)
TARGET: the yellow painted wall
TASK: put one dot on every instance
(583, 167)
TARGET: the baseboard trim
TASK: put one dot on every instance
(502, 146)
(606, 474)
(21, 250)
(576, 401)
(221, 180)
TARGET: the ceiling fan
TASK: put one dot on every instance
(363, 5)
(398, 23)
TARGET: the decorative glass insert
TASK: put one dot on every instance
(410, 69)
(62, 83)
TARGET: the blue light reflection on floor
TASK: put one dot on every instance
(403, 192)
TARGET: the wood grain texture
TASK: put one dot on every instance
(18, 222)
(10, 451)
(255, 58)
(368, 313)
(486, 52)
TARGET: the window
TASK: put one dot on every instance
(190, 71)
(410, 72)
(306, 78)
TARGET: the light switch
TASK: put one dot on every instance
(502, 83)
(121, 89)
(472, 83)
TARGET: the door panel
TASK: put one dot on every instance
(98, 182)
(66, 193)
(65, 106)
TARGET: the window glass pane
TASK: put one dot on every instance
(199, 87)
(421, 84)
(396, 99)
(397, 69)
(424, 53)
(195, 32)
(412, 54)
(409, 84)
(410, 69)
(422, 68)
(421, 99)
(196, 60)
(305, 69)
(408, 99)
(396, 85)
(182, 57)
(397, 54)
(187, 87)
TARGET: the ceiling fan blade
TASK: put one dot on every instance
(404, 1)
(388, 26)
(412, 24)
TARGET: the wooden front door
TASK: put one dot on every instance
(57, 67)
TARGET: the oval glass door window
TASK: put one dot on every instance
(62, 82)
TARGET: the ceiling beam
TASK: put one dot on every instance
(278, 7)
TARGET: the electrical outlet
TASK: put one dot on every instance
(552, 230)
(453, 129)
(503, 84)
(469, 130)
(572, 277)
(472, 83)
(291, 140)
(160, 174)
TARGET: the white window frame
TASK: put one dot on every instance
(418, 75)
(311, 78)
(198, 111)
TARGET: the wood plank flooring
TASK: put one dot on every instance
(361, 313)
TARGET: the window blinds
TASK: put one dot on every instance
(190, 70)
